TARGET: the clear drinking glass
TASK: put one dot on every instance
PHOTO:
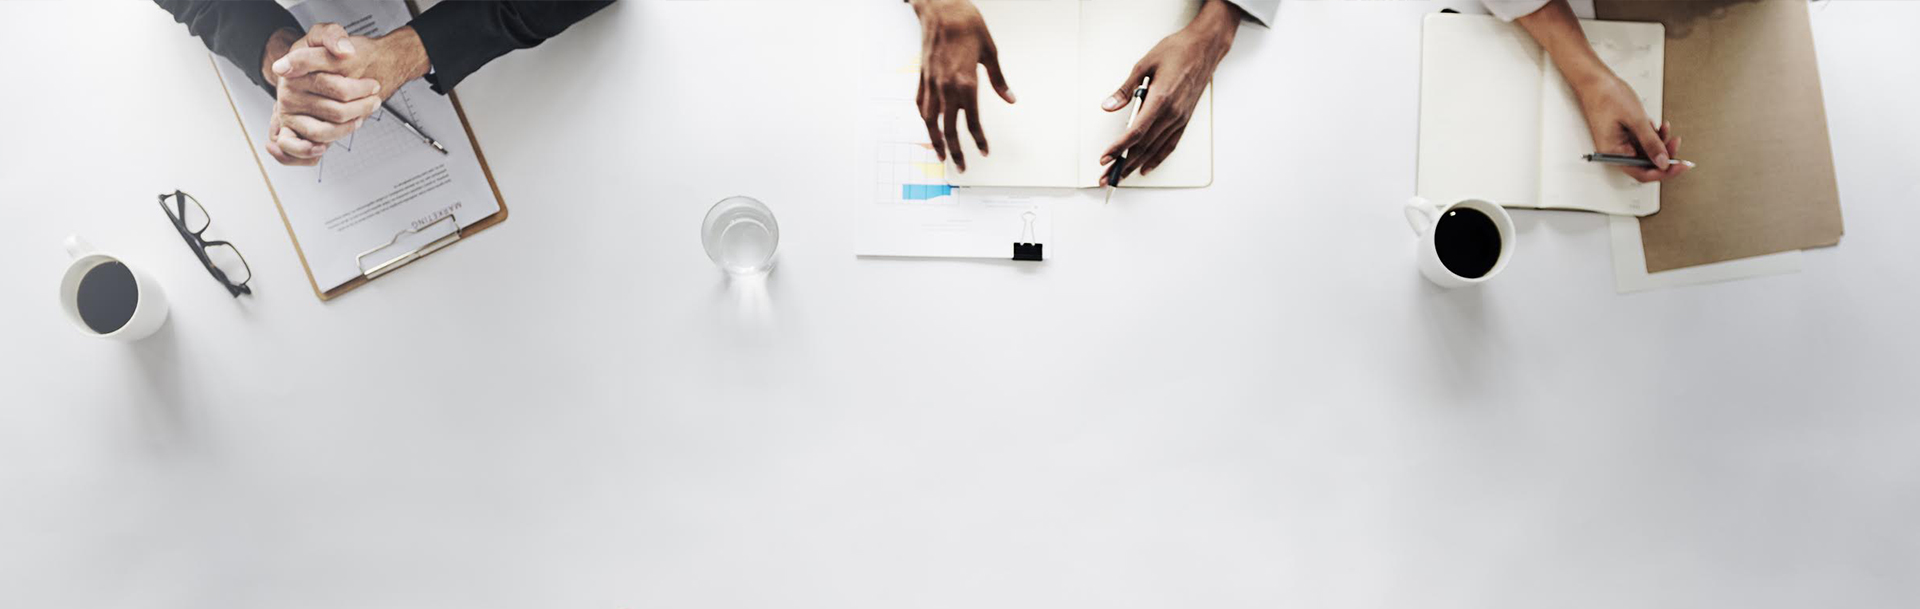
(740, 235)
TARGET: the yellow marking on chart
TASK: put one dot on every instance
(932, 170)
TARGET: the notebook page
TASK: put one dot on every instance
(1479, 111)
(1637, 53)
(1033, 140)
(1114, 35)
(382, 179)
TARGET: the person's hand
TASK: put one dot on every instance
(953, 40)
(311, 111)
(1181, 67)
(329, 83)
(1614, 116)
(1620, 126)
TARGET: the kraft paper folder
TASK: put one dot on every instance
(1743, 89)
(404, 219)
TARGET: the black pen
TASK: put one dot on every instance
(411, 127)
(1630, 161)
(1120, 160)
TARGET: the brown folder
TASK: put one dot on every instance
(1743, 93)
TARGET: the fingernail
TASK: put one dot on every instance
(280, 66)
(376, 86)
(1106, 159)
(1010, 97)
(346, 47)
(1112, 103)
(1662, 161)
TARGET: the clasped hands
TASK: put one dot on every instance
(327, 83)
(954, 39)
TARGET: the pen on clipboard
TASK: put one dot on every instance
(1629, 160)
(1120, 160)
(414, 128)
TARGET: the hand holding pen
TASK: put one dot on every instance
(1181, 66)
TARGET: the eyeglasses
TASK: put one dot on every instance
(222, 259)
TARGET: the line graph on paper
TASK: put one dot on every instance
(378, 140)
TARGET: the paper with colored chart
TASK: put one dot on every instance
(910, 207)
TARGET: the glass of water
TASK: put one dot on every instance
(740, 235)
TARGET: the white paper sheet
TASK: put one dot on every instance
(912, 209)
(381, 180)
(1630, 263)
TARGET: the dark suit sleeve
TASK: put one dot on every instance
(460, 35)
(235, 29)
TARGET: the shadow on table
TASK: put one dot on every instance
(162, 411)
(1024, 267)
(1458, 344)
(750, 298)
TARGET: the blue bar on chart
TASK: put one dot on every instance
(922, 192)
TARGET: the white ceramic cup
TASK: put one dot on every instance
(148, 314)
(1424, 216)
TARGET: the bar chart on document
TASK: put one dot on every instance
(906, 170)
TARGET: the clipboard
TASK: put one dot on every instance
(377, 266)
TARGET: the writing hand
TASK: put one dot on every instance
(1615, 118)
(1181, 67)
(953, 40)
(1619, 125)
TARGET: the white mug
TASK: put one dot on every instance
(149, 312)
(1424, 216)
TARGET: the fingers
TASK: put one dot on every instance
(291, 149)
(952, 116)
(319, 131)
(334, 86)
(1165, 150)
(1121, 97)
(1143, 127)
(990, 57)
(1647, 137)
(973, 126)
(306, 60)
(1138, 156)
(1670, 145)
(930, 113)
(297, 102)
(330, 36)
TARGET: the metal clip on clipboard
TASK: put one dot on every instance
(453, 234)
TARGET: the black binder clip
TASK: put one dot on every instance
(1027, 248)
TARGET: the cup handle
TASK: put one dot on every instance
(1420, 215)
(77, 247)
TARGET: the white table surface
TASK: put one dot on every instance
(1243, 396)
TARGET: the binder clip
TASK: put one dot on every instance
(1027, 248)
(453, 234)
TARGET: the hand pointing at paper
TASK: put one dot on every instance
(953, 42)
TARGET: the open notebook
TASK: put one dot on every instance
(1497, 122)
(1062, 58)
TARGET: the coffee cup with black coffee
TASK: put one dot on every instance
(1462, 243)
(106, 297)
